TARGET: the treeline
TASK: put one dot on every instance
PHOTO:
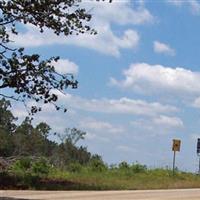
(26, 140)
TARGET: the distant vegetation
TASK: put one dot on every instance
(25, 140)
(29, 160)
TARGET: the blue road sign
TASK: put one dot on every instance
(198, 146)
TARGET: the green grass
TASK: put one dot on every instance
(95, 176)
(128, 180)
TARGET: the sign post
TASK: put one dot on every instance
(175, 147)
(198, 152)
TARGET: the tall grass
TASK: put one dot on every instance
(131, 177)
(99, 176)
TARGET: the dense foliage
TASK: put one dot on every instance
(25, 140)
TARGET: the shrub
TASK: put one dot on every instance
(74, 167)
(25, 166)
(21, 166)
(97, 164)
(123, 165)
(138, 168)
(40, 167)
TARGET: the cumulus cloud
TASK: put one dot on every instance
(154, 79)
(163, 48)
(65, 66)
(121, 12)
(106, 41)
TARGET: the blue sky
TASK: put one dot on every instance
(139, 80)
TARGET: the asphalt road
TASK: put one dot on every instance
(190, 194)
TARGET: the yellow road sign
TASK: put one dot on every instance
(176, 145)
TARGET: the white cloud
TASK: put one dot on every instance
(158, 125)
(117, 106)
(105, 41)
(100, 126)
(19, 112)
(157, 122)
(95, 137)
(156, 118)
(104, 15)
(65, 66)
(121, 12)
(99, 130)
(154, 79)
(167, 121)
(163, 48)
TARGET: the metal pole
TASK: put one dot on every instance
(174, 159)
(199, 164)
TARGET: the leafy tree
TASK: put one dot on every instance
(6, 117)
(68, 152)
(29, 76)
(43, 129)
(74, 135)
(29, 140)
(6, 144)
(96, 163)
(22, 140)
(7, 126)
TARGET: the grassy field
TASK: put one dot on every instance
(95, 176)
(127, 180)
